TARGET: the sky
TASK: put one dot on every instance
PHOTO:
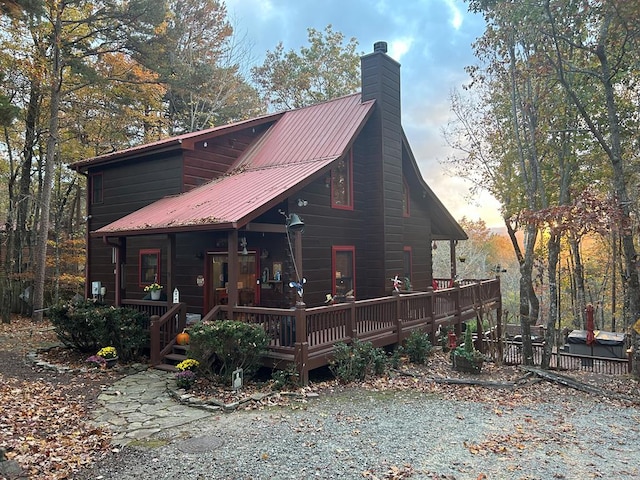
(431, 39)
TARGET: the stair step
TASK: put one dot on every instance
(175, 357)
(181, 348)
(166, 367)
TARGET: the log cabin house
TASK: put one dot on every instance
(217, 215)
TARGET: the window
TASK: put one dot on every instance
(405, 199)
(406, 262)
(96, 188)
(343, 268)
(149, 267)
(342, 183)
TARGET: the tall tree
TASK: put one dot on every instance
(68, 37)
(201, 63)
(590, 48)
(325, 69)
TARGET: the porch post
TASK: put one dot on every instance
(171, 261)
(302, 344)
(232, 248)
(298, 263)
(452, 252)
(120, 257)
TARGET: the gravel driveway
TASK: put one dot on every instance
(396, 435)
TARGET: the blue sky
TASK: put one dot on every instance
(430, 38)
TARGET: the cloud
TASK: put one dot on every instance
(399, 47)
(456, 15)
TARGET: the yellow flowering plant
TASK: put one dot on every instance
(188, 364)
(153, 287)
(107, 352)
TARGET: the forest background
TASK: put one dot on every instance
(548, 125)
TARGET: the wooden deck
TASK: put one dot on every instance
(306, 336)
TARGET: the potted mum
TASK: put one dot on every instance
(154, 290)
(109, 354)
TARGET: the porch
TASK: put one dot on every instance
(306, 337)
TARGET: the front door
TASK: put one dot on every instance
(218, 293)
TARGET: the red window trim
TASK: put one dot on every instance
(348, 206)
(343, 248)
(149, 251)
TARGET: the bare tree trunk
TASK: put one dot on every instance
(49, 169)
(550, 332)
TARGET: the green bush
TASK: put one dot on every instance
(287, 378)
(357, 361)
(418, 347)
(225, 345)
(87, 327)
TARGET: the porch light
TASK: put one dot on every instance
(243, 244)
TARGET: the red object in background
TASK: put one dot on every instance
(591, 338)
(453, 340)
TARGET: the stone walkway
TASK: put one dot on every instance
(139, 406)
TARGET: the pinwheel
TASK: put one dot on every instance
(396, 283)
(298, 286)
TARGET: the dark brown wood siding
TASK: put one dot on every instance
(212, 157)
(127, 188)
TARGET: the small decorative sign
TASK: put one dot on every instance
(236, 379)
(200, 281)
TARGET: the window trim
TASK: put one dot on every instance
(335, 249)
(149, 251)
(349, 205)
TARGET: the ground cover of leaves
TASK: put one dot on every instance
(44, 413)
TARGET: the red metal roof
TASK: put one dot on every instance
(301, 143)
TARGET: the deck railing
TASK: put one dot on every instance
(306, 336)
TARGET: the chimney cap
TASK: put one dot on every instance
(380, 47)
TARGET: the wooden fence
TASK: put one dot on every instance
(560, 360)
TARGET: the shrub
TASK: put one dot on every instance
(225, 345)
(87, 326)
(357, 361)
(418, 347)
(289, 377)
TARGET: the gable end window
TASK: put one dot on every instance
(149, 267)
(96, 188)
(342, 183)
(343, 271)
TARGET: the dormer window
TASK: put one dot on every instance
(342, 183)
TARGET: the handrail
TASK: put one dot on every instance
(163, 331)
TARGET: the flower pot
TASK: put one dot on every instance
(111, 362)
(155, 294)
(463, 364)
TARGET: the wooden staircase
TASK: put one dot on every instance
(169, 362)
